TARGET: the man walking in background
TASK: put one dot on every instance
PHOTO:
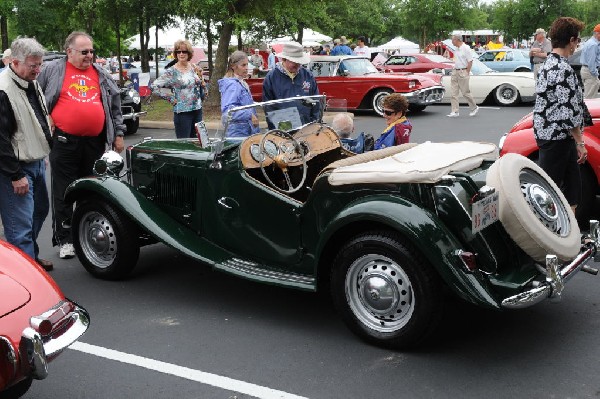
(590, 61)
(540, 49)
(85, 106)
(459, 80)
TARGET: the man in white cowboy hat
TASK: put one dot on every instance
(540, 49)
(290, 79)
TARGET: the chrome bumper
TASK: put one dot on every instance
(37, 350)
(129, 113)
(426, 96)
(557, 276)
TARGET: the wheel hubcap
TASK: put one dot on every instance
(379, 293)
(97, 239)
(544, 202)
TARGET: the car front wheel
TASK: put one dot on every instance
(132, 126)
(386, 292)
(506, 94)
(105, 240)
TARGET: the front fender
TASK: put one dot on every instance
(146, 215)
(424, 231)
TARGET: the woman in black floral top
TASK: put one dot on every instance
(558, 111)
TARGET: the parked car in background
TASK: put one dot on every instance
(387, 232)
(37, 322)
(161, 68)
(356, 80)
(507, 60)
(415, 63)
(131, 108)
(503, 88)
(520, 140)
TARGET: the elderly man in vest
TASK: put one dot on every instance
(24, 144)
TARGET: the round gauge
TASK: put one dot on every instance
(271, 149)
(255, 152)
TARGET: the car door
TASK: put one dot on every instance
(251, 220)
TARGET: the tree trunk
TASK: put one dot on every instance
(209, 42)
(300, 32)
(213, 101)
(4, 32)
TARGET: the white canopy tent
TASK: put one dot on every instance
(166, 37)
(309, 38)
(402, 45)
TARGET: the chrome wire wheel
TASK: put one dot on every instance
(544, 202)
(379, 293)
(506, 94)
(97, 239)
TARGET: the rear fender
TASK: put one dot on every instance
(422, 229)
(146, 215)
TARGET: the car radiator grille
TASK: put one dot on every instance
(175, 190)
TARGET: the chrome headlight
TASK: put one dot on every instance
(111, 164)
(135, 96)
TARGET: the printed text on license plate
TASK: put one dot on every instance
(484, 212)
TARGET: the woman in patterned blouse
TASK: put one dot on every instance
(558, 111)
(186, 84)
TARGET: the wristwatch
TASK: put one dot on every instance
(582, 144)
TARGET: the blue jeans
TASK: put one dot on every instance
(23, 215)
(184, 123)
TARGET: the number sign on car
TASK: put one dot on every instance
(484, 212)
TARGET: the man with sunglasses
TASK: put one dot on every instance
(24, 145)
(85, 106)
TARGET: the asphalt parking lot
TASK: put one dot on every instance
(178, 329)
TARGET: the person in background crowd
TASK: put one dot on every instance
(5, 59)
(361, 48)
(326, 50)
(463, 61)
(558, 113)
(344, 126)
(398, 128)
(272, 60)
(540, 49)
(590, 61)
(340, 47)
(85, 105)
(188, 89)
(234, 93)
(25, 139)
(290, 79)
(256, 59)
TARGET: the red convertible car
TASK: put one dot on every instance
(520, 140)
(415, 63)
(36, 322)
(355, 80)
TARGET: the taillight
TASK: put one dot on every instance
(469, 259)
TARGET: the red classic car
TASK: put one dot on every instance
(415, 63)
(355, 80)
(520, 140)
(36, 321)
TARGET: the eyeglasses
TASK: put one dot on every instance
(387, 112)
(33, 67)
(85, 52)
(180, 51)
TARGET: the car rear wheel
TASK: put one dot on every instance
(105, 240)
(506, 94)
(386, 292)
(533, 210)
(377, 100)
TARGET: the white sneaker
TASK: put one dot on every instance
(474, 112)
(452, 115)
(67, 251)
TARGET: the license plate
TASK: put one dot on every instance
(484, 212)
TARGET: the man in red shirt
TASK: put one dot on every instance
(85, 106)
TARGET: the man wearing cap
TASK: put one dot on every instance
(590, 61)
(290, 79)
(340, 47)
(540, 49)
(5, 59)
(256, 59)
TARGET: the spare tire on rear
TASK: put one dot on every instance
(533, 210)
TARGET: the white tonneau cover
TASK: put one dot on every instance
(423, 163)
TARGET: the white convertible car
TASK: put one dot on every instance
(504, 88)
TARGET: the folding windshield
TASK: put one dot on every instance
(356, 67)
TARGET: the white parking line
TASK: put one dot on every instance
(185, 372)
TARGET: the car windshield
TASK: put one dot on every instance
(479, 68)
(356, 67)
(436, 58)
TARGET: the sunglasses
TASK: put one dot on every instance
(180, 51)
(387, 112)
(85, 52)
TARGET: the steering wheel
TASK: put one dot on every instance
(288, 152)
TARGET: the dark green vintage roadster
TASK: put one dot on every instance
(388, 232)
